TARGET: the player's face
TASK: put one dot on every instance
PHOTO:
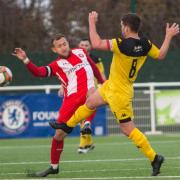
(85, 45)
(124, 30)
(61, 47)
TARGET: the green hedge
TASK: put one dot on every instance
(153, 71)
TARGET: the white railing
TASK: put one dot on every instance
(151, 91)
(152, 86)
(46, 88)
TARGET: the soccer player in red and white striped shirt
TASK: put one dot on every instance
(75, 69)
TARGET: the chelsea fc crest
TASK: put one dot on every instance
(14, 117)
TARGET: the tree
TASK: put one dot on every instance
(21, 26)
(155, 15)
(29, 23)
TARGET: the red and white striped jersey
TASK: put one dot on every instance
(74, 72)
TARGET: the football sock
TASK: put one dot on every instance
(89, 139)
(83, 140)
(81, 113)
(54, 166)
(56, 150)
(142, 143)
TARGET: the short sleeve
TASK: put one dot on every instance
(114, 44)
(154, 51)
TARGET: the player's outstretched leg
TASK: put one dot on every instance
(142, 144)
(81, 113)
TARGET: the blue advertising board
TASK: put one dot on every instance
(27, 115)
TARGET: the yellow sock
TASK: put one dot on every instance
(89, 139)
(81, 113)
(83, 140)
(142, 143)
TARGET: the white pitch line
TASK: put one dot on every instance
(66, 145)
(95, 178)
(25, 147)
(85, 161)
(134, 177)
(92, 171)
(171, 135)
(21, 163)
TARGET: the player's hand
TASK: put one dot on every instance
(172, 30)
(20, 54)
(93, 17)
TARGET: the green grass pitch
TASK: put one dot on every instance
(114, 157)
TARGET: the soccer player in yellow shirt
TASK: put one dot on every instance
(129, 54)
(86, 140)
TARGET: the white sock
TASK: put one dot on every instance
(54, 166)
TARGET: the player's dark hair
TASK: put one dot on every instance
(132, 20)
(85, 39)
(57, 37)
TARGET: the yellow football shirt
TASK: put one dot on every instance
(128, 57)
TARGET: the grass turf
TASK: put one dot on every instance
(114, 157)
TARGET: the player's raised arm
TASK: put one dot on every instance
(96, 41)
(171, 31)
(36, 71)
